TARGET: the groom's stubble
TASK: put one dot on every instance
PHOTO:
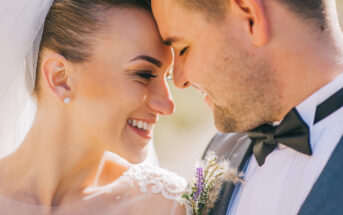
(257, 97)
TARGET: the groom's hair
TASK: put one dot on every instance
(308, 9)
(70, 27)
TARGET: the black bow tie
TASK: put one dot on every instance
(292, 131)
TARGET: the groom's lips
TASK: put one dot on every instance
(207, 99)
(209, 102)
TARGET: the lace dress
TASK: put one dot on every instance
(145, 189)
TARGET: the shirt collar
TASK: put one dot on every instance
(307, 108)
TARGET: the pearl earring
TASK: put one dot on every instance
(67, 100)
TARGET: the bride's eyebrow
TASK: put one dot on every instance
(150, 59)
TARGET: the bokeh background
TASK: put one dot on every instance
(180, 139)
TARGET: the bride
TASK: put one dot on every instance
(96, 71)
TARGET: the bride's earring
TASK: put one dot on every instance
(67, 100)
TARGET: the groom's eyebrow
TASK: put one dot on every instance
(149, 59)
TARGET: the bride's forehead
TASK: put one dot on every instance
(129, 20)
(130, 28)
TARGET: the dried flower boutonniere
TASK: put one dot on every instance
(201, 195)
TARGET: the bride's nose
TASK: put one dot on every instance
(161, 101)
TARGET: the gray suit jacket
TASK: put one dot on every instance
(326, 196)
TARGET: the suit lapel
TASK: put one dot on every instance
(326, 196)
(241, 151)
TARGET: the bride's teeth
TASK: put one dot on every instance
(140, 124)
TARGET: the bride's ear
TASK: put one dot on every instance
(55, 71)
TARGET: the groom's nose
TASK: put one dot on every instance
(179, 77)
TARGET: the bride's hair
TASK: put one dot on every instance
(71, 24)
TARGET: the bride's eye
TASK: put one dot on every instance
(146, 74)
(183, 51)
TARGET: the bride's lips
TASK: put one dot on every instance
(143, 128)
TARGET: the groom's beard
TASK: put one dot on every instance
(227, 122)
(259, 104)
(241, 120)
(244, 87)
(224, 120)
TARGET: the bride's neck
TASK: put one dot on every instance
(52, 163)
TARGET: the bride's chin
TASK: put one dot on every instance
(138, 136)
(135, 147)
(138, 156)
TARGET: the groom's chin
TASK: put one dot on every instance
(225, 122)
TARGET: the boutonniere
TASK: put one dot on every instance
(202, 193)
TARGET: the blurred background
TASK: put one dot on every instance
(180, 139)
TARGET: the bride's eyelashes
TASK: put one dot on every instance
(146, 74)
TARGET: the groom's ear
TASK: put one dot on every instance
(255, 19)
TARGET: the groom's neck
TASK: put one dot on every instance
(305, 56)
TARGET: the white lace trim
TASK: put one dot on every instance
(159, 180)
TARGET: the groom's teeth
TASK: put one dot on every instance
(140, 124)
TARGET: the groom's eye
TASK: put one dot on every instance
(183, 51)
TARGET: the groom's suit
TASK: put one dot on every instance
(324, 195)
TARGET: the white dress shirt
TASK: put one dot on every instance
(282, 184)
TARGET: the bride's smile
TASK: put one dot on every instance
(143, 128)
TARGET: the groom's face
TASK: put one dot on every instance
(218, 57)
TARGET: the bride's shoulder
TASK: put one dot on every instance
(149, 178)
(115, 174)
(142, 189)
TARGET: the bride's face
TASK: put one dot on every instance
(120, 92)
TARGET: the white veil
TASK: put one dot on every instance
(21, 26)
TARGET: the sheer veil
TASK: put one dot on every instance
(21, 27)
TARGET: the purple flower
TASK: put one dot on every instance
(200, 183)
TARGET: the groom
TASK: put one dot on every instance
(272, 71)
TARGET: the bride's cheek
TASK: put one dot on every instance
(137, 94)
